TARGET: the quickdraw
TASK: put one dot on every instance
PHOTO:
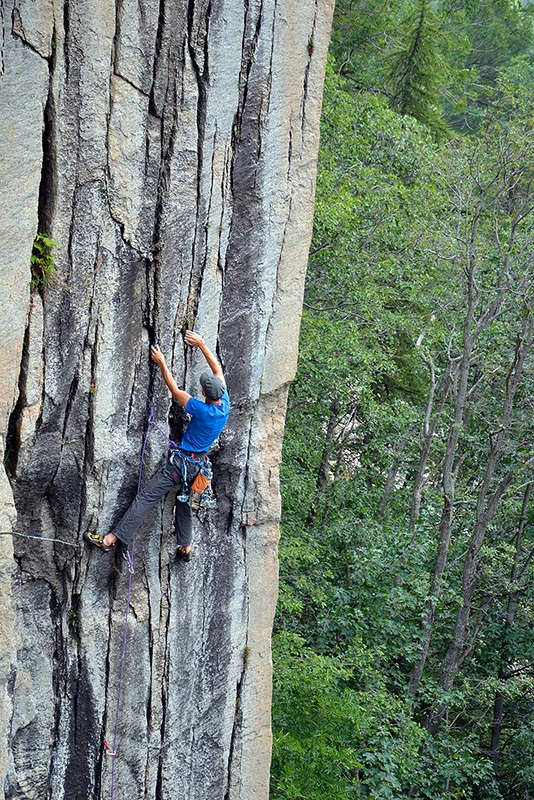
(109, 751)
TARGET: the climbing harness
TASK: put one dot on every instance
(202, 478)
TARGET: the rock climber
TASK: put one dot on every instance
(208, 418)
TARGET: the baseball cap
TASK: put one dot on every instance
(213, 386)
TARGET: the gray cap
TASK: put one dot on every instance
(213, 386)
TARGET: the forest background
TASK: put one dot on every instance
(404, 655)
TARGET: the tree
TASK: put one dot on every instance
(418, 71)
(438, 61)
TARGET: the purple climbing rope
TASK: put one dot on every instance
(152, 421)
(129, 558)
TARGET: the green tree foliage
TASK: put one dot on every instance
(497, 31)
(351, 737)
(437, 61)
(408, 538)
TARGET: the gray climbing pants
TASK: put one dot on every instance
(165, 479)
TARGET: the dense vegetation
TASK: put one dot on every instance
(404, 659)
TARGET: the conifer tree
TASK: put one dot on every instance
(418, 70)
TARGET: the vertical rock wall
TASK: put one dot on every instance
(170, 148)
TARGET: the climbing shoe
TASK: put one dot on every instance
(97, 540)
(186, 557)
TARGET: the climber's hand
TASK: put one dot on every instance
(193, 339)
(157, 356)
(178, 394)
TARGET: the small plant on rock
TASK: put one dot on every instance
(42, 262)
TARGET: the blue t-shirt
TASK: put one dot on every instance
(207, 421)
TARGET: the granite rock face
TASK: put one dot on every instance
(170, 149)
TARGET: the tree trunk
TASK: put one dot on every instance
(511, 607)
(448, 487)
(170, 148)
(486, 508)
(478, 317)
(432, 418)
(324, 467)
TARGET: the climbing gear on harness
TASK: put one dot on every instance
(203, 477)
(127, 557)
(97, 540)
(201, 481)
(180, 460)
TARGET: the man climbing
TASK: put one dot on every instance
(208, 418)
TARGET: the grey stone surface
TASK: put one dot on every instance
(34, 23)
(170, 148)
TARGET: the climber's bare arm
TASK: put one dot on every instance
(195, 340)
(178, 394)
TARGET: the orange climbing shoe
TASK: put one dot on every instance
(97, 540)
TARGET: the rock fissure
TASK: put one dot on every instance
(131, 83)
(9, 780)
(59, 688)
(201, 73)
(249, 45)
(278, 290)
(308, 67)
(289, 153)
(158, 44)
(2, 41)
(82, 727)
(115, 45)
(47, 186)
(13, 434)
(236, 730)
(70, 400)
(66, 32)
(163, 722)
(265, 100)
(89, 436)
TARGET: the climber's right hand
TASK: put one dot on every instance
(157, 356)
(193, 339)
